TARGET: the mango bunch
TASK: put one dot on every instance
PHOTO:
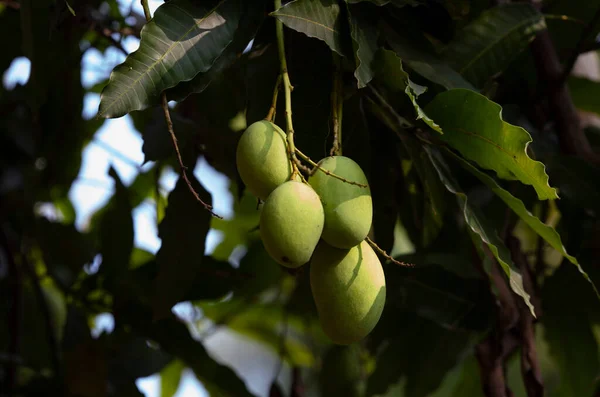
(324, 221)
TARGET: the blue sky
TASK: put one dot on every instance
(117, 143)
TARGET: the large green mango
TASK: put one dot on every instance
(348, 208)
(261, 158)
(348, 286)
(291, 223)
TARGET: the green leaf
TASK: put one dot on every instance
(182, 40)
(116, 231)
(259, 270)
(439, 295)
(65, 250)
(568, 329)
(320, 19)
(174, 337)
(70, 8)
(183, 232)
(170, 378)
(237, 229)
(248, 26)
(365, 35)
(397, 3)
(422, 59)
(264, 323)
(418, 354)
(585, 93)
(491, 42)
(391, 73)
(548, 233)
(473, 125)
(480, 226)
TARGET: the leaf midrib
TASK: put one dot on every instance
(153, 65)
(306, 20)
(495, 42)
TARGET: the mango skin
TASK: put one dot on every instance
(261, 158)
(291, 223)
(348, 286)
(348, 208)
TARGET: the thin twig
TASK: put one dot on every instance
(331, 174)
(271, 115)
(165, 107)
(287, 86)
(146, 8)
(336, 107)
(386, 255)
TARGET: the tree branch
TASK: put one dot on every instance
(570, 132)
(530, 367)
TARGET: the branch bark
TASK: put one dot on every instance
(530, 367)
(550, 77)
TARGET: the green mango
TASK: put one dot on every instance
(348, 208)
(291, 223)
(348, 286)
(261, 158)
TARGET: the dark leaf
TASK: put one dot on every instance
(183, 233)
(363, 29)
(65, 249)
(568, 320)
(480, 225)
(420, 352)
(116, 232)
(489, 44)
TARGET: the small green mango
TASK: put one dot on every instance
(261, 158)
(348, 208)
(291, 223)
(348, 286)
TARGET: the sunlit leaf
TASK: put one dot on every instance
(170, 378)
(321, 19)
(473, 125)
(182, 40)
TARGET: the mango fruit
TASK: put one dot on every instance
(261, 158)
(348, 286)
(348, 208)
(291, 223)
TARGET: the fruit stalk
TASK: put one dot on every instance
(387, 256)
(165, 107)
(337, 102)
(331, 174)
(287, 87)
(271, 114)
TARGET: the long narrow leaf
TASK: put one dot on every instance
(181, 41)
